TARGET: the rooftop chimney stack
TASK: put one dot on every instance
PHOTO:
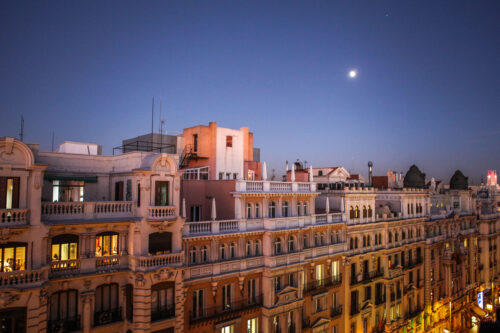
(370, 169)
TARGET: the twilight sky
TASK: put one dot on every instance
(427, 92)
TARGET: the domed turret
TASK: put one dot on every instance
(414, 178)
(458, 181)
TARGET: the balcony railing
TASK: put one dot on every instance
(336, 312)
(274, 186)
(152, 262)
(324, 283)
(162, 314)
(107, 317)
(107, 263)
(63, 267)
(266, 223)
(13, 217)
(229, 311)
(413, 264)
(67, 325)
(365, 278)
(162, 212)
(21, 278)
(57, 211)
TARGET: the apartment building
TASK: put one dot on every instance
(93, 243)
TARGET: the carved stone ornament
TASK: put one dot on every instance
(87, 284)
(37, 183)
(140, 281)
(214, 288)
(8, 297)
(44, 296)
(6, 234)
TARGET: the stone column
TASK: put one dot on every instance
(87, 309)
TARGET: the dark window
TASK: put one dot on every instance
(106, 304)
(229, 141)
(13, 320)
(13, 257)
(9, 192)
(195, 143)
(138, 195)
(161, 193)
(320, 173)
(128, 196)
(160, 243)
(129, 299)
(195, 213)
(64, 311)
(163, 304)
(119, 191)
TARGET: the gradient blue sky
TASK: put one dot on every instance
(428, 90)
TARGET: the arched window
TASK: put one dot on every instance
(338, 237)
(411, 208)
(106, 244)
(204, 253)
(65, 247)
(370, 212)
(365, 212)
(223, 251)
(390, 237)
(351, 212)
(332, 238)
(403, 235)
(396, 236)
(257, 247)
(257, 210)
(305, 208)
(299, 208)
(232, 250)
(106, 308)
(316, 239)
(249, 248)
(291, 244)
(192, 255)
(284, 209)
(364, 241)
(305, 242)
(409, 211)
(323, 238)
(272, 209)
(277, 246)
(64, 307)
(368, 241)
(351, 243)
(249, 210)
(356, 242)
(356, 213)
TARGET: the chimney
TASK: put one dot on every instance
(370, 169)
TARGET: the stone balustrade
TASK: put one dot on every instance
(162, 212)
(274, 186)
(57, 211)
(13, 217)
(280, 223)
(155, 261)
(23, 278)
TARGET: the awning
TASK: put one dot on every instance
(87, 179)
(478, 311)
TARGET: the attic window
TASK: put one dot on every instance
(320, 173)
(229, 141)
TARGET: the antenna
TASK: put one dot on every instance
(161, 126)
(152, 122)
(21, 135)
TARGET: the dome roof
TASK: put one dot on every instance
(458, 181)
(414, 178)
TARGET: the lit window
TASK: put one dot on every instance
(64, 247)
(13, 257)
(106, 244)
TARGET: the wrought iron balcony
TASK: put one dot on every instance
(367, 277)
(66, 325)
(107, 317)
(317, 285)
(228, 311)
(162, 314)
(336, 311)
